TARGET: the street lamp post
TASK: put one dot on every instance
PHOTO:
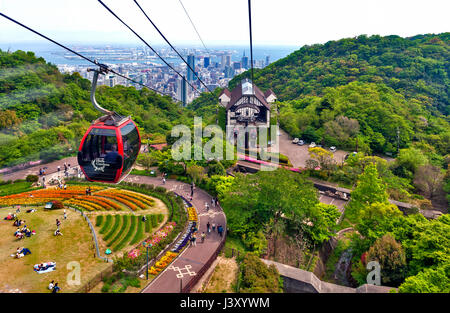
(147, 246)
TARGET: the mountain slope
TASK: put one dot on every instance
(43, 113)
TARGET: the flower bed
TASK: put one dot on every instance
(117, 198)
(162, 263)
(148, 201)
(184, 239)
(192, 214)
(161, 234)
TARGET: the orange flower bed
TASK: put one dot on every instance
(146, 200)
(103, 202)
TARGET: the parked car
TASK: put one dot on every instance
(300, 142)
(295, 141)
(312, 144)
(333, 149)
(353, 153)
(319, 146)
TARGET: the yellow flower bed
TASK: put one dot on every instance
(162, 263)
(192, 214)
(145, 199)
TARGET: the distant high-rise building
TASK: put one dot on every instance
(206, 62)
(191, 62)
(228, 71)
(267, 60)
(244, 61)
(182, 91)
(111, 81)
(236, 65)
(226, 60)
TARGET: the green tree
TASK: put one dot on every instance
(391, 257)
(430, 280)
(370, 189)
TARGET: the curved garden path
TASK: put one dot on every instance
(192, 259)
(186, 266)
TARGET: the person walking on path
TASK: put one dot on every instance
(203, 237)
(213, 227)
(208, 227)
(59, 169)
(220, 230)
(194, 236)
(58, 222)
(206, 206)
(213, 203)
(65, 214)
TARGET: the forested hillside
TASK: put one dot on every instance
(43, 113)
(378, 83)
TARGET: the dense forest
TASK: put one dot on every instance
(367, 88)
(43, 113)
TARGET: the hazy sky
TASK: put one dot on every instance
(221, 22)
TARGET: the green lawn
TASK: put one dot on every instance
(76, 245)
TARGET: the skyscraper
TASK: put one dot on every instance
(191, 62)
(267, 60)
(244, 61)
(206, 61)
(182, 91)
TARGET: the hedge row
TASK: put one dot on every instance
(98, 220)
(125, 222)
(148, 226)
(115, 227)
(139, 233)
(130, 233)
(107, 225)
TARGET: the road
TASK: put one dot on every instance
(299, 154)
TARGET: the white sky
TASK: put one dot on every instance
(222, 22)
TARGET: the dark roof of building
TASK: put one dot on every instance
(236, 94)
(268, 93)
(227, 92)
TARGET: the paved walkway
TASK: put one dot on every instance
(192, 259)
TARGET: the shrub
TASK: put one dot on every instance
(32, 178)
(57, 205)
(160, 189)
(106, 287)
(160, 217)
(258, 277)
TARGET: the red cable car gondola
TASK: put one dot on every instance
(110, 146)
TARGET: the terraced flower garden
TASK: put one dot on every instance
(109, 199)
(122, 230)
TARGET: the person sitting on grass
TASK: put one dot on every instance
(19, 235)
(56, 288)
(51, 285)
(58, 232)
